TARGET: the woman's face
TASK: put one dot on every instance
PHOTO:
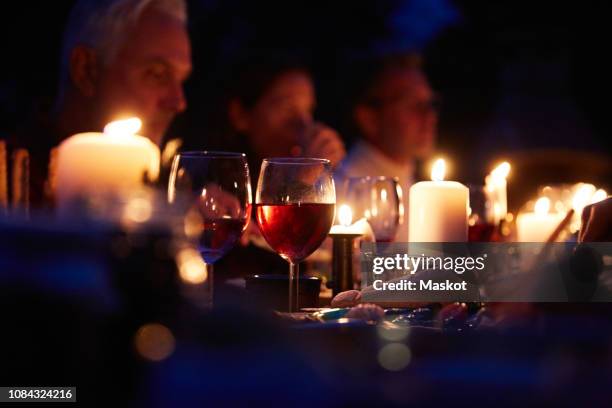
(278, 120)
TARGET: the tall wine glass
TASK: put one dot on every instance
(214, 190)
(378, 200)
(481, 227)
(295, 203)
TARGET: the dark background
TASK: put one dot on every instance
(513, 76)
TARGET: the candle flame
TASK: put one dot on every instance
(345, 215)
(599, 195)
(122, 128)
(542, 206)
(501, 171)
(582, 196)
(438, 170)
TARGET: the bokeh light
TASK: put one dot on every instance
(392, 333)
(137, 210)
(394, 356)
(191, 266)
(154, 342)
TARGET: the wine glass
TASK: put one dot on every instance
(214, 191)
(481, 227)
(379, 201)
(295, 203)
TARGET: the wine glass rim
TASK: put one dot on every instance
(374, 178)
(212, 154)
(296, 160)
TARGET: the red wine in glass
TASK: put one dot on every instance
(482, 232)
(295, 231)
(219, 236)
(480, 228)
(385, 229)
(216, 187)
(295, 202)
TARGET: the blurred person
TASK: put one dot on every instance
(395, 121)
(124, 58)
(270, 113)
(120, 58)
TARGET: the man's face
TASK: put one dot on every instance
(405, 119)
(277, 122)
(145, 78)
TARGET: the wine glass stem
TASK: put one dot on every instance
(210, 279)
(294, 279)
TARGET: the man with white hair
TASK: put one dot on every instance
(120, 58)
(124, 58)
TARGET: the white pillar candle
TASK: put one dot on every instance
(108, 162)
(537, 226)
(438, 210)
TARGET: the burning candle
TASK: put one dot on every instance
(345, 223)
(343, 236)
(438, 209)
(496, 187)
(537, 226)
(584, 194)
(599, 195)
(92, 163)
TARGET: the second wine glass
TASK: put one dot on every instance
(213, 189)
(378, 200)
(295, 203)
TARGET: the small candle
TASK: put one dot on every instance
(496, 190)
(584, 194)
(346, 225)
(343, 236)
(438, 210)
(599, 195)
(537, 226)
(94, 162)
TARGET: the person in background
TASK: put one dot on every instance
(269, 105)
(395, 120)
(120, 58)
(269, 109)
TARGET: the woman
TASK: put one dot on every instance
(269, 109)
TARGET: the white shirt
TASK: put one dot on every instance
(366, 160)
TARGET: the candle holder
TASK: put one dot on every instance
(342, 261)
